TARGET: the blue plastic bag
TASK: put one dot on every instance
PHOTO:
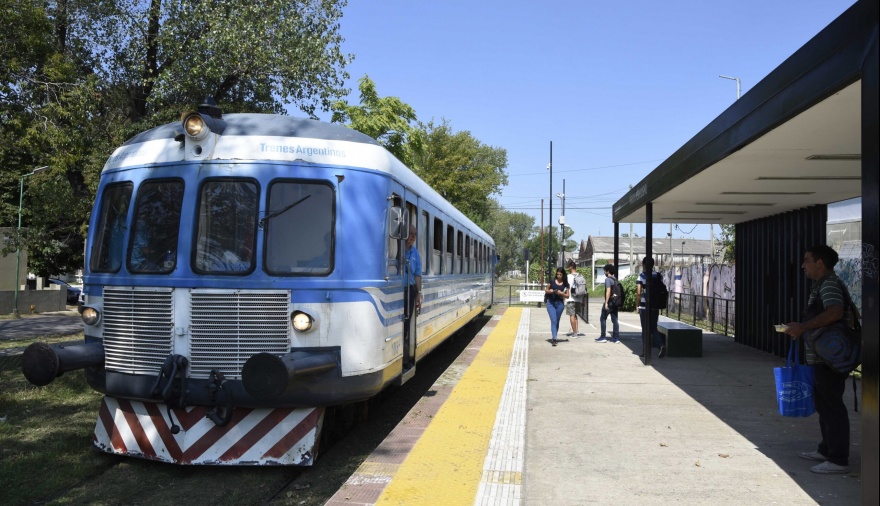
(794, 386)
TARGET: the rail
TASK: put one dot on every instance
(712, 313)
(533, 293)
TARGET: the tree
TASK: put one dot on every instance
(511, 232)
(389, 120)
(253, 56)
(728, 240)
(461, 169)
(79, 77)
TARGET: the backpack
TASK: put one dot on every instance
(659, 293)
(579, 285)
(618, 296)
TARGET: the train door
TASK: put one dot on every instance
(398, 273)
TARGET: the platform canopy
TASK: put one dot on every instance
(792, 141)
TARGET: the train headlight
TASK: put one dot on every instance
(301, 321)
(194, 125)
(90, 316)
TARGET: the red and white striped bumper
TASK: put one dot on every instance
(259, 436)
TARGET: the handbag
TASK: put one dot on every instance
(794, 386)
(839, 344)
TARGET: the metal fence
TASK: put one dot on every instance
(514, 299)
(712, 313)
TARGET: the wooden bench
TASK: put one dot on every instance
(682, 340)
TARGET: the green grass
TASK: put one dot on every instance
(44, 431)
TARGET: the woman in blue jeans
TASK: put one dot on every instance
(555, 295)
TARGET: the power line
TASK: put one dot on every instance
(587, 169)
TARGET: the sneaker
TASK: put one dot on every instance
(614, 340)
(580, 334)
(813, 455)
(601, 340)
(570, 334)
(575, 335)
(662, 352)
(554, 342)
(829, 468)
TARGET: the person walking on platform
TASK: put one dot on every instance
(554, 296)
(574, 302)
(609, 309)
(827, 304)
(649, 317)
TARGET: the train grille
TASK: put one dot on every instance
(137, 329)
(227, 328)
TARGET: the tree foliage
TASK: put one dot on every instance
(728, 239)
(253, 56)
(511, 232)
(78, 77)
(389, 120)
(459, 167)
(462, 169)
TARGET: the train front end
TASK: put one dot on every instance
(209, 280)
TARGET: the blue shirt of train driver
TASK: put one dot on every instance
(414, 265)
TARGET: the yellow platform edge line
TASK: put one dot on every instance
(445, 465)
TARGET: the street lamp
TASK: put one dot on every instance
(737, 84)
(682, 252)
(18, 236)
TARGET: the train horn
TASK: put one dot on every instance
(266, 376)
(41, 363)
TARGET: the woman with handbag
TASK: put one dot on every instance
(827, 304)
(554, 295)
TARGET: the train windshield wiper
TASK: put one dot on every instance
(282, 211)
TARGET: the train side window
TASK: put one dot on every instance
(437, 251)
(153, 245)
(467, 254)
(226, 229)
(424, 242)
(450, 251)
(108, 246)
(299, 234)
(459, 252)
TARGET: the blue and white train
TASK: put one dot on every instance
(244, 273)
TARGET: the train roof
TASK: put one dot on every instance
(271, 137)
(272, 125)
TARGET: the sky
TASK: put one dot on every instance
(617, 87)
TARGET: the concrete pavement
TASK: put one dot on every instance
(603, 428)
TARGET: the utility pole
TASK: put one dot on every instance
(671, 254)
(550, 167)
(562, 226)
(712, 241)
(542, 241)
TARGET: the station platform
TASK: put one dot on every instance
(517, 421)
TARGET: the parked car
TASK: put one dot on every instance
(73, 293)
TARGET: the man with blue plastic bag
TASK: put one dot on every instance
(827, 304)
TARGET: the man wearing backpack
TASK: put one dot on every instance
(613, 302)
(829, 297)
(575, 298)
(649, 317)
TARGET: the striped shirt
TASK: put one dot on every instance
(828, 290)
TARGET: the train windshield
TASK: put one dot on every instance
(107, 250)
(299, 228)
(227, 221)
(155, 227)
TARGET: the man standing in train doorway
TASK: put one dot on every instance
(413, 295)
